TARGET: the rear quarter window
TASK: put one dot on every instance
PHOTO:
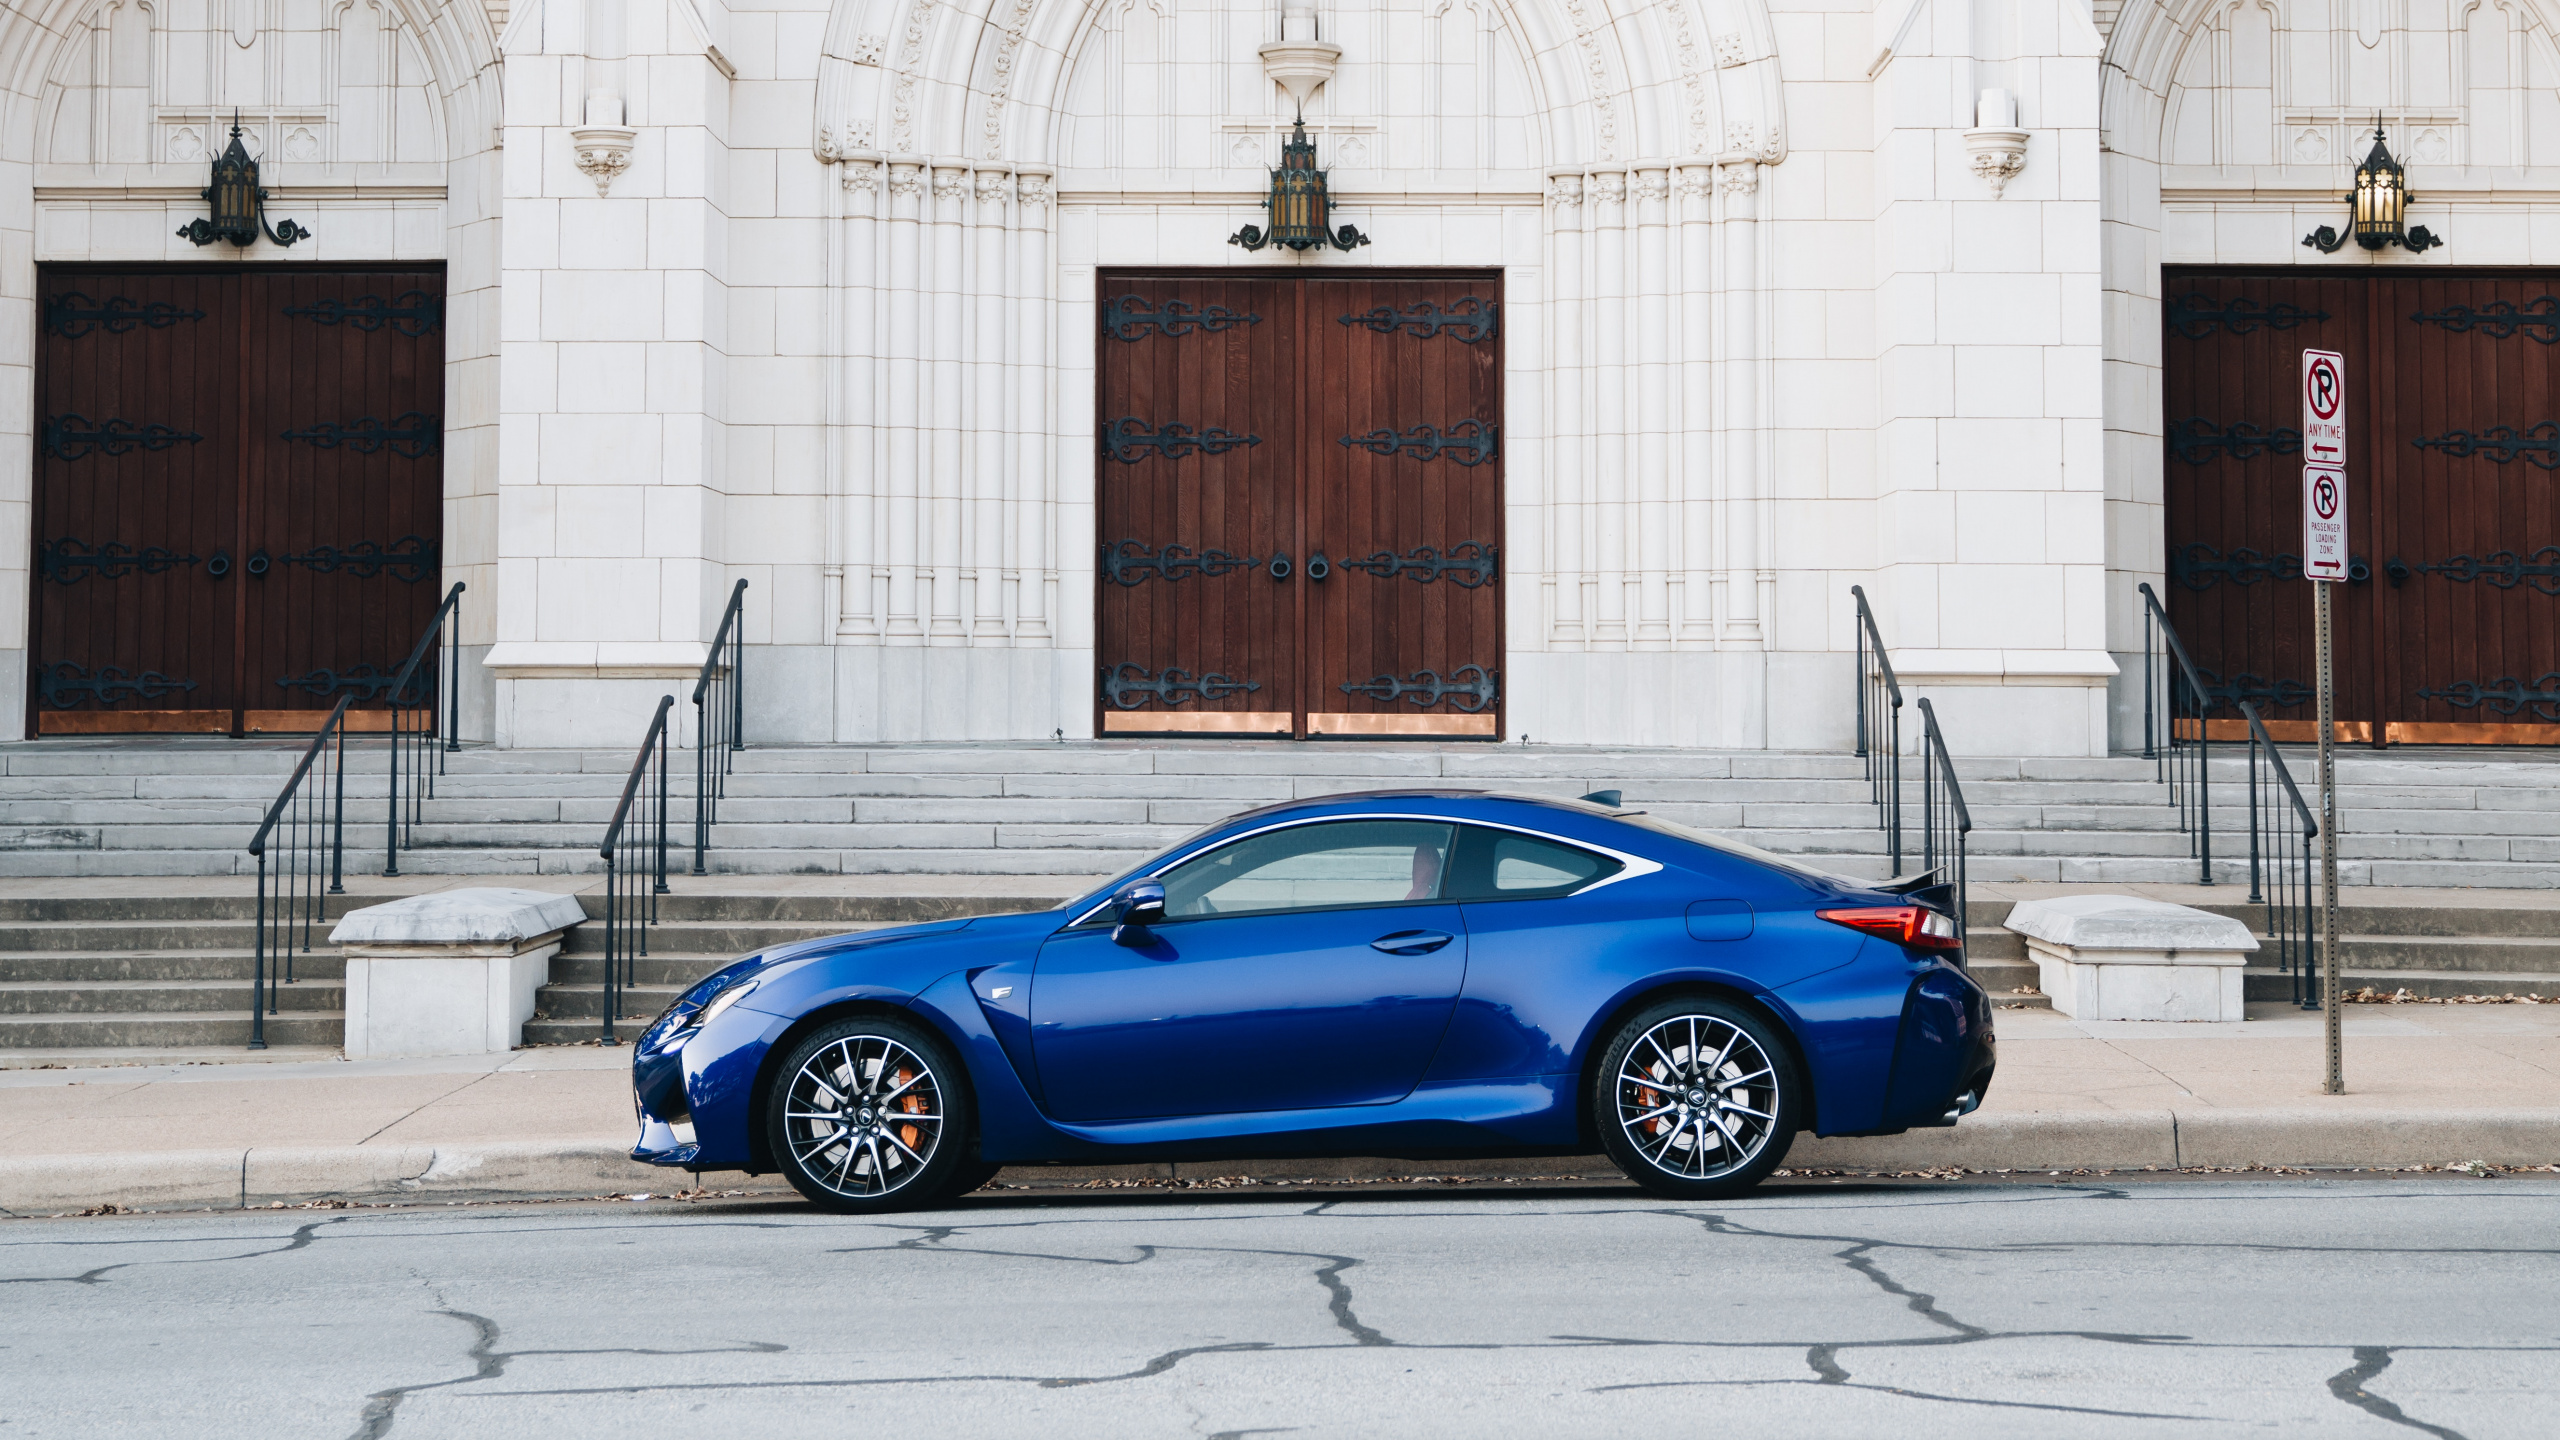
(1504, 865)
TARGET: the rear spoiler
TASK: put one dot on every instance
(1926, 889)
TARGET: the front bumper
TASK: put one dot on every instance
(690, 1092)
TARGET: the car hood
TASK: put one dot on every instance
(896, 962)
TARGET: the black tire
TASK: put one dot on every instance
(973, 1177)
(909, 1151)
(1729, 1121)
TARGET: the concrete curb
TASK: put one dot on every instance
(556, 1169)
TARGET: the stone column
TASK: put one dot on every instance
(1696, 185)
(905, 394)
(945, 340)
(1565, 566)
(1609, 405)
(857, 610)
(1656, 417)
(1034, 514)
(992, 421)
(1744, 572)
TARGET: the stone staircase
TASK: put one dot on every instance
(166, 806)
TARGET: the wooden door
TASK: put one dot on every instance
(1404, 508)
(2445, 631)
(239, 494)
(2465, 393)
(1197, 479)
(1299, 494)
(2232, 484)
(137, 504)
(345, 481)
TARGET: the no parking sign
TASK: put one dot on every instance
(2324, 523)
(2324, 475)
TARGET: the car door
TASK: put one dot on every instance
(1305, 967)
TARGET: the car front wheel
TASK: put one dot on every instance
(871, 1114)
(1697, 1098)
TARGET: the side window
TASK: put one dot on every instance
(1502, 865)
(1314, 867)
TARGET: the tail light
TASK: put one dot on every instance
(1917, 926)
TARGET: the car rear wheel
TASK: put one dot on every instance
(1697, 1098)
(871, 1114)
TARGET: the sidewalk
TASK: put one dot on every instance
(2427, 1084)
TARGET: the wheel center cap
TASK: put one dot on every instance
(1697, 1097)
(864, 1117)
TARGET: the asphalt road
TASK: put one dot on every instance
(2099, 1307)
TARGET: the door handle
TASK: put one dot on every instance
(1318, 567)
(1411, 942)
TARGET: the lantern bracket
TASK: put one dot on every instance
(2379, 204)
(239, 203)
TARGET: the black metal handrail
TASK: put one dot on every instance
(719, 721)
(314, 818)
(2174, 733)
(1880, 726)
(2280, 852)
(1944, 819)
(413, 694)
(629, 910)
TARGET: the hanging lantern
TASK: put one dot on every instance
(1297, 204)
(239, 205)
(2380, 204)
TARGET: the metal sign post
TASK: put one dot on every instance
(2324, 563)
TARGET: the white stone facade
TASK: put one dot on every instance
(1788, 310)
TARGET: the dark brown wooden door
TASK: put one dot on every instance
(1299, 496)
(2466, 537)
(239, 494)
(137, 504)
(1404, 502)
(2446, 629)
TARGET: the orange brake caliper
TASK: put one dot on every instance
(913, 1104)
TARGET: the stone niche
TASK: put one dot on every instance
(2121, 957)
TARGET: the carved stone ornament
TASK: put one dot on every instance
(1998, 156)
(604, 152)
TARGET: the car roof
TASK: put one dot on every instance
(1425, 792)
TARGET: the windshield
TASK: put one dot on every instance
(1731, 846)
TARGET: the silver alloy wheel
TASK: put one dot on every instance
(1697, 1097)
(864, 1116)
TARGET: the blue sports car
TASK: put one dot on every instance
(1419, 973)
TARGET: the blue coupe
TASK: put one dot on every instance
(1419, 973)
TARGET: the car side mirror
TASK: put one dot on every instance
(1139, 904)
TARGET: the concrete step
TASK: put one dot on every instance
(103, 1031)
(161, 997)
(94, 967)
(2267, 983)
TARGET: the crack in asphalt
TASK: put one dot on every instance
(2348, 1385)
(300, 1239)
(1337, 1291)
(382, 1407)
(1862, 1255)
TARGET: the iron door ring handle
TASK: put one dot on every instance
(219, 565)
(1411, 942)
(1318, 567)
(258, 563)
(1280, 566)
